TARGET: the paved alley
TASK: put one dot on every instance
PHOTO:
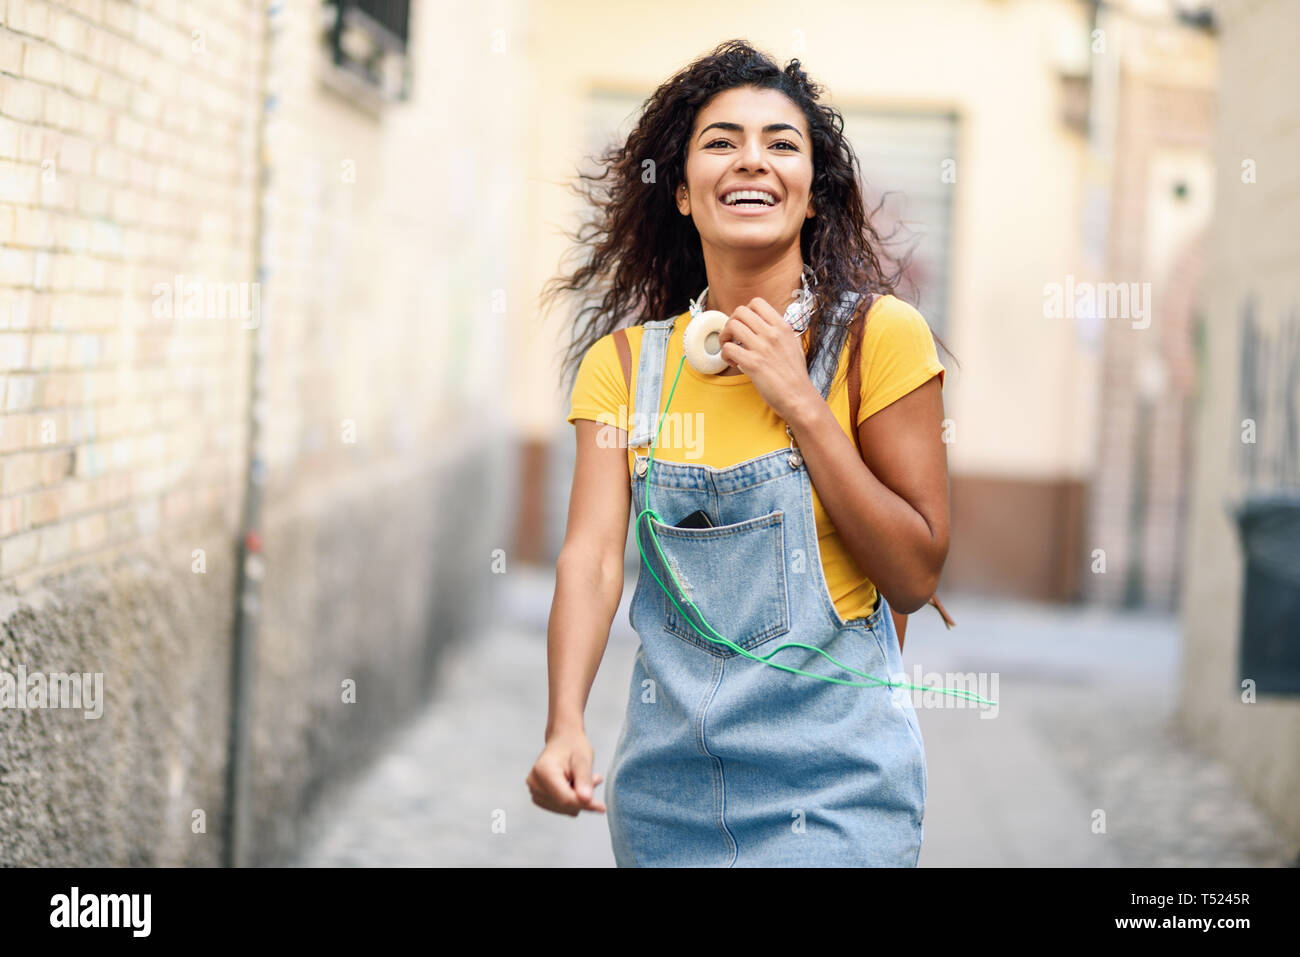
(1082, 726)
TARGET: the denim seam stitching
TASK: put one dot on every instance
(719, 785)
(710, 534)
(712, 474)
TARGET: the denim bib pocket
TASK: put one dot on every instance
(734, 574)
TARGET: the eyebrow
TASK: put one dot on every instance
(737, 128)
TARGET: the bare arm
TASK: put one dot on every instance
(891, 505)
(589, 571)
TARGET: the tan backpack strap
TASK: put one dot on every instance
(934, 600)
(624, 357)
(855, 380)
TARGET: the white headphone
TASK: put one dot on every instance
(704, 352)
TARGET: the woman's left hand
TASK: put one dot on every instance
(760, 343)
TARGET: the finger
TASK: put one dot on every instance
(734, 354)
(548, 787)
(594, 804)
(765, 311)
(578, 777)
(736, 331)
(746, 318)
(549, 802)
(554, 785)
(582, 776)
(544, 800)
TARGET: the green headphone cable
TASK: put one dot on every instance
(719, 639)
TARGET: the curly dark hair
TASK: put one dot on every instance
(648, 258)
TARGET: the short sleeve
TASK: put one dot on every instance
(898, 355)
(599, 392)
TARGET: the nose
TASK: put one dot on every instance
(751, 154)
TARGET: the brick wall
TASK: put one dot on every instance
(128, 158)
(124, 157)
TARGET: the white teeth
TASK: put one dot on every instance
(730, 198)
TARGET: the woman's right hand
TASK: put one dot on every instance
(560, 780)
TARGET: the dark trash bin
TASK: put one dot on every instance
(1269, 526)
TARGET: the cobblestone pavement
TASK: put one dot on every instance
(1082, 733)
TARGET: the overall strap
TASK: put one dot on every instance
(824, 373)
(649, 377)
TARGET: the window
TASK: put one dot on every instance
(908, 160)
(367, 43)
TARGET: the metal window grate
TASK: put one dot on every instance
(392, 15)
(368, 39)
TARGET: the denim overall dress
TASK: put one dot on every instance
(724, 761)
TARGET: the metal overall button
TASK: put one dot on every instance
(642, 464)
(795, 458)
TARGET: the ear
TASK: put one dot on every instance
(683, 200)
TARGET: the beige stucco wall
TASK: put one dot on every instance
(1254, 251)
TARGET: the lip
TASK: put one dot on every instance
(748, 210)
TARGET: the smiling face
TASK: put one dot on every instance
(745, 138)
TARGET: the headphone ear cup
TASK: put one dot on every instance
(700, 341)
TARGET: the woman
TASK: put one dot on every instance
(737, 180)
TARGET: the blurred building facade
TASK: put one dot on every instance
(1151, 175)
(155, 157)
(1241, 609)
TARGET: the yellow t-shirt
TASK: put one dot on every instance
(898, 355)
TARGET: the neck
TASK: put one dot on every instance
(733, 284)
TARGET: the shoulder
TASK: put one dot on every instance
(603, 354)
(898, 354)
(891, 319)
(606, 352)
(600, 364)
(605, 349)
(603, 384)
(606, 345)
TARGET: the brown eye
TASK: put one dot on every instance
(708, 146)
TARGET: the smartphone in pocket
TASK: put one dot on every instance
(697, 519)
